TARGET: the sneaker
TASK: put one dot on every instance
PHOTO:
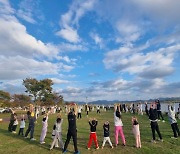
(112, 147)
(57, 146)
(163, 121)
(33, 139)
(77, 152)
(88, 148)
(124, 144)
(159, 120)
(64, 151)
(97, 148)
(153, 141)
(13, 132)
(160, 140)
(50, 149)
(102, 147)
(25, 137)
(42, 142)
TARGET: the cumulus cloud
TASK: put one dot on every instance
(59, 81)
(70, 20)
(154, 64)
(98, 40)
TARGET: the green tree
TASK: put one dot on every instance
(39, 90)
(4, 95)
(21, 99)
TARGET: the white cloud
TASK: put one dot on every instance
(59, 81)
(155, 64)
(98, 40)
(27, 16)
(69, 34)
(70, 20)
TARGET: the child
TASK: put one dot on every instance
(173, 121)
(93, 123)
(136, 132)
(44, 128)
(57, 134)
(118, 125)
(22, 126)
(106, 134)
(15, 123)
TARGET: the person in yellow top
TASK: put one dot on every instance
(32, 119)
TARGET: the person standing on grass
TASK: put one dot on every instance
(12, 119)
(159, 110)
(22, 126)
(136, 132)
(79, 112)
(32, 119)
(106, 134)
(57, 134)
(98, 109)
(146, 109)
(44, 128)
(72, 131)
(173, 121)
(154, 123)
(118, 125)
(93, 124)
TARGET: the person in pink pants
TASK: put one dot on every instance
(118, 125)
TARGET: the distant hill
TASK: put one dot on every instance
(162, 100)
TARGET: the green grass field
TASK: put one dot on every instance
(12, 143)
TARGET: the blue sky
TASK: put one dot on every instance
(103, 49)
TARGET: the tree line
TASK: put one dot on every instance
(39, 92)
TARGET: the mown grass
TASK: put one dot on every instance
(12, 143)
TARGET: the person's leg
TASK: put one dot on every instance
(110, 143)
(67, 141)
(19, 131)
(32, 132)
(116, 130)
(80, 116)
(158, 131)
(139, 141)
(104, 141)
(28, 130)
(43, 135)
(161, 115)
(122, 135)
(174, 129)
(90, 140)
(177, 129)
(22, 131)
(61, 141)
(153, 130)
(95, 140)
(54, 141)
(136, 138)
(74, 135)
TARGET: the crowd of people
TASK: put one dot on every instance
(73, 112)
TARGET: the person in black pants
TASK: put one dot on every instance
(154, 124)
(32, 120)
(146, 109)
(72, 131)
(159, 113)
(12, 119)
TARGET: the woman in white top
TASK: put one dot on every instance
(118, 125)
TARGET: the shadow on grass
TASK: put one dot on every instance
(19, 137)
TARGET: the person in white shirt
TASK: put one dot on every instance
(22, 126)
(44, 128)
(118, 125)
(58, 133)
(79, 112)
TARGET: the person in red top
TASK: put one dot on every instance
(93, 123)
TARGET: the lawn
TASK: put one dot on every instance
(12, 143)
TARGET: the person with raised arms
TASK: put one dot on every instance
(72, 131)
(118, 125)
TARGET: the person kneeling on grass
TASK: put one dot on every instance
(57, 134)
(173, 121)
(93, 123)
(154, 124)
(136, 132)
(106, 134)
